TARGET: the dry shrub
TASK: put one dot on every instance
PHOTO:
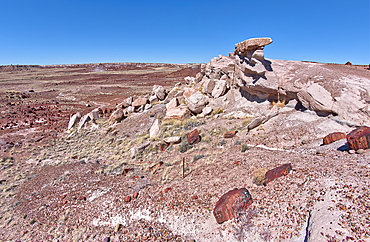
(259, 176)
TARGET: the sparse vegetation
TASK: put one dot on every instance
(259, 176)
(245, 147)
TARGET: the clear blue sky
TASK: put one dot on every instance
(90, 31)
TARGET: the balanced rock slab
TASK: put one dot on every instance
(232, 204)
(244, 47)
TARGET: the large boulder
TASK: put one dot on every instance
(116, 116)
(219, 89)
(159, 91)
(196, 102)
(317, 98)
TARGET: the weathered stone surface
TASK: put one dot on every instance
(159, 91)
(263, 118)
(359, 138)
(317, 98)
(208, 85)
(153, 99)
(330, 138)
(172, 104)
(116, 116)
(74, 120)
(94, 114)
(173, 140)
(207, 111)
(129, 101)
(230, 134)
(244, 47)
(140, 102)
(193, 137)
(155, 129)
(147, 106)
(196, 102)
(84, 120)
(219, 88)
(189, 80)
(130, 109)
(179, 113)
(232, 204)
(189, 91)
(282, 170)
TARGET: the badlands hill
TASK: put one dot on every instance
(150, 152)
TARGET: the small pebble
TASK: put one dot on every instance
(351, 151)
(107, 239)
(360, 151)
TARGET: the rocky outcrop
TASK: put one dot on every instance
(180, 113)
(159, 92)
(74, 120)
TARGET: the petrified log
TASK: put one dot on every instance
(359, 138)
(230, 134)
(282, 170)
(330, 138)
(232, 204)
(193, 137)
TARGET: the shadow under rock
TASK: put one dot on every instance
(344, 147)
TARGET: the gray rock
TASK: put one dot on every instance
(153, 99)
(207, 111)
(172, 104)
(94, 114)
(208, 85)
(130, 109)
(147, 106)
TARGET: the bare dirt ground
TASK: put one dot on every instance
(84, 186)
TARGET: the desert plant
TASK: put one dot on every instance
(245, 147)
(259, 176)
(197, 157)
(218, 111)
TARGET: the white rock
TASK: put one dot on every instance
(180, 113)
(207, 110)
(74, 120)
(219, 89)
(155, 129)
(94, 114)
(159, 91)
(84, 120)
(196, 102)
(130, 109)
(153, 99)
(173, 140)
(172, 104)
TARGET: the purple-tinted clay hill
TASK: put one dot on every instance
(154, 152)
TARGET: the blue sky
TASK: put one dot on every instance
(89, 31)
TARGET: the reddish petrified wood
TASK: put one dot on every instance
(231, 204)
(156, 166)
(359, 138)
(330, 138)
(193, 137)
(163, 146)
(230, 134)
(348, 63)
(282, 170)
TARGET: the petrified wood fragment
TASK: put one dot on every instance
(359, 138)
(230, 134)
(193, 137)
(231, 204)
(330, 138)
(282, 170)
